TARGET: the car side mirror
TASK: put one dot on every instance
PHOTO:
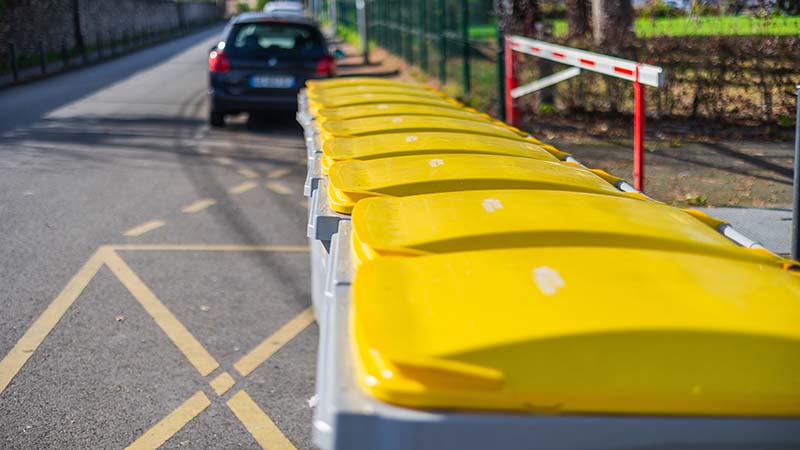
(338, 53)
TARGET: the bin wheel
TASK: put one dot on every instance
(216, 119)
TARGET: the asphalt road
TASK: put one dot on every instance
(153, 272)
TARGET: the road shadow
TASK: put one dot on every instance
(24, 105)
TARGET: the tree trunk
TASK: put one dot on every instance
(519, 17)
(578, 18)
(613, 23)
(76, 25)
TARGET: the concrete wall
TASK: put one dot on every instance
(26, 22)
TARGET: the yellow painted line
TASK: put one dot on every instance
(280, 188)
(144, 228)
(198, 205)
(277, 173)
(242, 188)
(222, 383)
(177, 332)
(38, 331)
(214, 248)
(162, 431)
(247, 173)
(263, 429)
(272, 344)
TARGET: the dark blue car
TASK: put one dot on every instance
(262, 62)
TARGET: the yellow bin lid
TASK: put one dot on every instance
(475, 220)
(408, 144)
(323, 95)
(396, 109)
(352, 81)
(351, 181)
(410, 124)
(579, 330)
(368, 98)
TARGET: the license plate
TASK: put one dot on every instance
(272, 81)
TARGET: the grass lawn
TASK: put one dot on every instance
(684, 26)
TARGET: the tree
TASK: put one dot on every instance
(613, 23)
(76, 25)
(519, 17)
(579, 17)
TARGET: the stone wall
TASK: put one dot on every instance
(26, 22)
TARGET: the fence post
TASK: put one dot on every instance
(638, 133)
(423, 35)
(511, 108)
(465, 69)
(442, 44)
(99, 45)
(42, 57)
(12, 54)
(64, 53)
(361, 12)
(796, 197)
(501, 62)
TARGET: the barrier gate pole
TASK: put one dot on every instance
(638, 133)
(512, 111)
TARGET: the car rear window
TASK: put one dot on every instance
(268, 39)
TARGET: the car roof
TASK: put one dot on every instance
(295, 6)
(255, 17)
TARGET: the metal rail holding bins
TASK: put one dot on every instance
(478, 289)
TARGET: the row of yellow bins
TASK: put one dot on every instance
(478, 289)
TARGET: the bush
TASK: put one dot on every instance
(242, 7)
(660, 9)
(260, 4)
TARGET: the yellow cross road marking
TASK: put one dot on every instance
(257, 423)
(280, 188)
(144, 228)
(222, 383)
(248, 173)
(242, 188)
(30, 341)
(270, 345)
(254, 419)
(180, 336)
(199, 205)
(161, 432)
(277, 173)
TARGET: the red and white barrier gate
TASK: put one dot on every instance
(640, 74)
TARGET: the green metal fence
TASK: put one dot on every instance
(446, 39)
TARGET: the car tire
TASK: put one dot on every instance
(216, 119)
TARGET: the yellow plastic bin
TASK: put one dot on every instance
(324, 95)
(397, 109)
(330, 83)
(475, 220)
(426, 143)
(351, 181)
(369, 98)
(411, 124)
(579, 330)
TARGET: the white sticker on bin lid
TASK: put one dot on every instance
(397, 119)
(411, 138)
(547, 280)
(383, 106)
(491, 204)
(436, 162)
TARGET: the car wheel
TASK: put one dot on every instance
(216, 119)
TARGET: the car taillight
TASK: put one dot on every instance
(218, 62)
(326, 66)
